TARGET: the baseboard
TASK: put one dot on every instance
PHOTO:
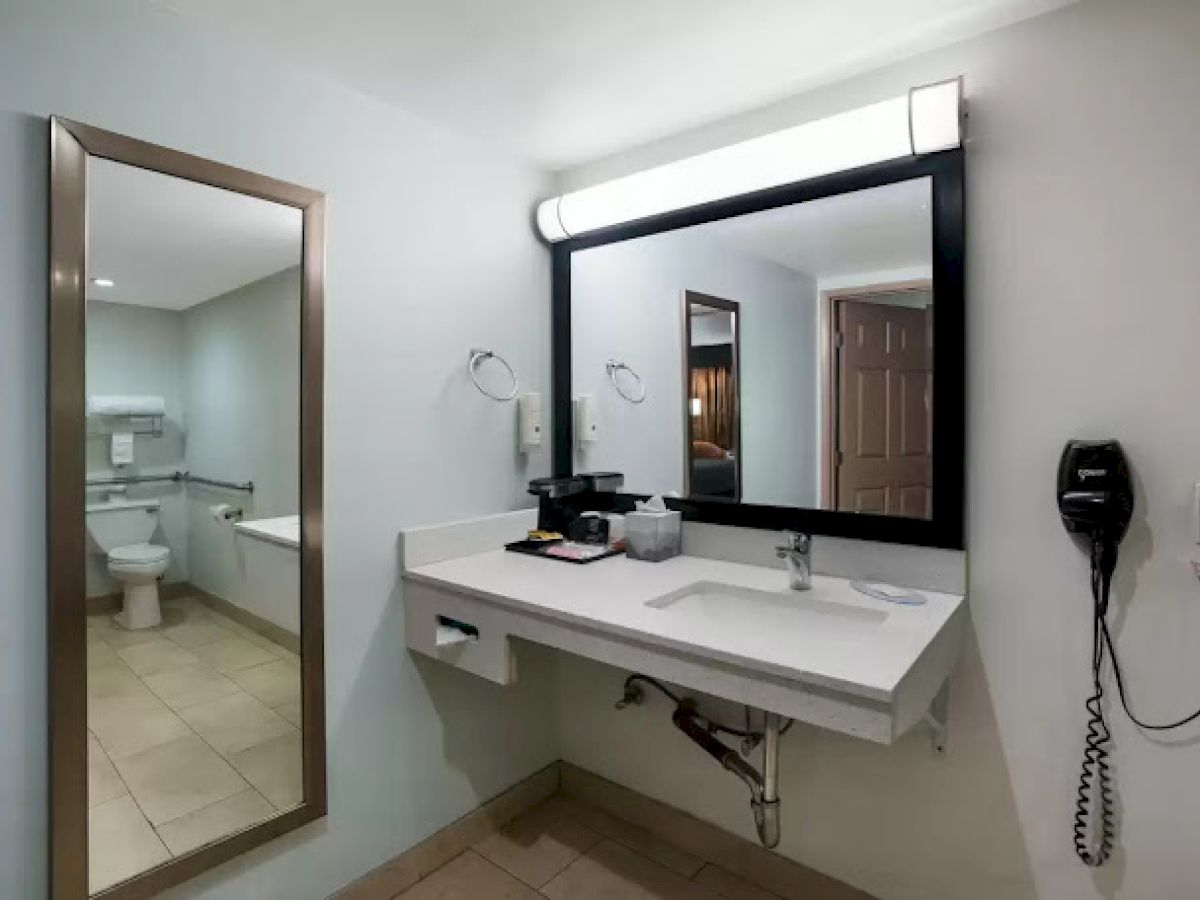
(768, 870)
(405, 870)
(272, 632)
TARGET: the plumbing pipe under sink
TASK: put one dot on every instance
(764, 786)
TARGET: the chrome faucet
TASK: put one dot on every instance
(798, 554)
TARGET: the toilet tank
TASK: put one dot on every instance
(119, 523)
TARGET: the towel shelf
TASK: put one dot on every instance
(105, 425)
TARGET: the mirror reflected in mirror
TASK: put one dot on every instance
(193, 335)
(802, 374)
(711, 397)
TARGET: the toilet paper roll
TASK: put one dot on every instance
(223, 512)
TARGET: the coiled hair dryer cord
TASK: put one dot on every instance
(1094, 799)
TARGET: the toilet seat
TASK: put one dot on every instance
(138, 555)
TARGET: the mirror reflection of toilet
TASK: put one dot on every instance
(122, 529)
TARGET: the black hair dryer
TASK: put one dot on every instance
(1095, 497)
(1095, 500)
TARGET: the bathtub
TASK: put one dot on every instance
(282, 530)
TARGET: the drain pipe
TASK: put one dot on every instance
(764, 787)
(766, 813)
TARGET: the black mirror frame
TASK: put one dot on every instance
(946, 527)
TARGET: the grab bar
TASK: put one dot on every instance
(247, 487)
(134, 479)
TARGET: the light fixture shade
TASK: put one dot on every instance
(547, 220)
(935, 115)
(870, 134)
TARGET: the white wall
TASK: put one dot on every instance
(1084, 311)
(626, 304)
(242, 376)
(139, 350)
(430, 252)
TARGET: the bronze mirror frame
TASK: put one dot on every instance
(71, 143)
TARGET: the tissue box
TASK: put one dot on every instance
(652, 535)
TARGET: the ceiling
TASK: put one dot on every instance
(876, 230)
(561, 83)
(171, 244)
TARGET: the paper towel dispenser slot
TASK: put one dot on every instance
(452, 631)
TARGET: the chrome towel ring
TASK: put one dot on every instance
(614, 366)
(476, 358)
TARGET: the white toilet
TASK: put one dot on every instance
(122, 529)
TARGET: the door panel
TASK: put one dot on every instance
(870, 431)
(916, 433)
(871, 500)
(884, 407)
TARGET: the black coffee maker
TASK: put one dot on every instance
(562, 499)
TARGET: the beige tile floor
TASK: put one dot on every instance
(562, 850)
(193, 734)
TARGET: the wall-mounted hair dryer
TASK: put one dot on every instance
(1095, 500)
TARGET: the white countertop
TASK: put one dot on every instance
(864, 651)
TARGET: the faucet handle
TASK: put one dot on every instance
(795, 541)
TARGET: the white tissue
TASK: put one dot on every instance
(122, 448)
(654, 504)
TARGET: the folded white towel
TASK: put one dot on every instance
(126, 405)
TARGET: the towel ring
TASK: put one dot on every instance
(478, 357)
(613, 367)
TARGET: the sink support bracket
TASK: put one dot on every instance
(938, 718)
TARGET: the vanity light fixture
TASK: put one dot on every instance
(103, 282)
(927, 119)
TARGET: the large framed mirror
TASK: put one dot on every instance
(185, 513)
(816, 382)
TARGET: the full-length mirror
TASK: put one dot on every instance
(192, 432)
(785, 356)
(710, 397)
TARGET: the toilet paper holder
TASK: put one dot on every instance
(223, 512)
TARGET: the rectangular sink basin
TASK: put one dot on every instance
(733, 608)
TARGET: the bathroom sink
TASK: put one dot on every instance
(731, 607)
